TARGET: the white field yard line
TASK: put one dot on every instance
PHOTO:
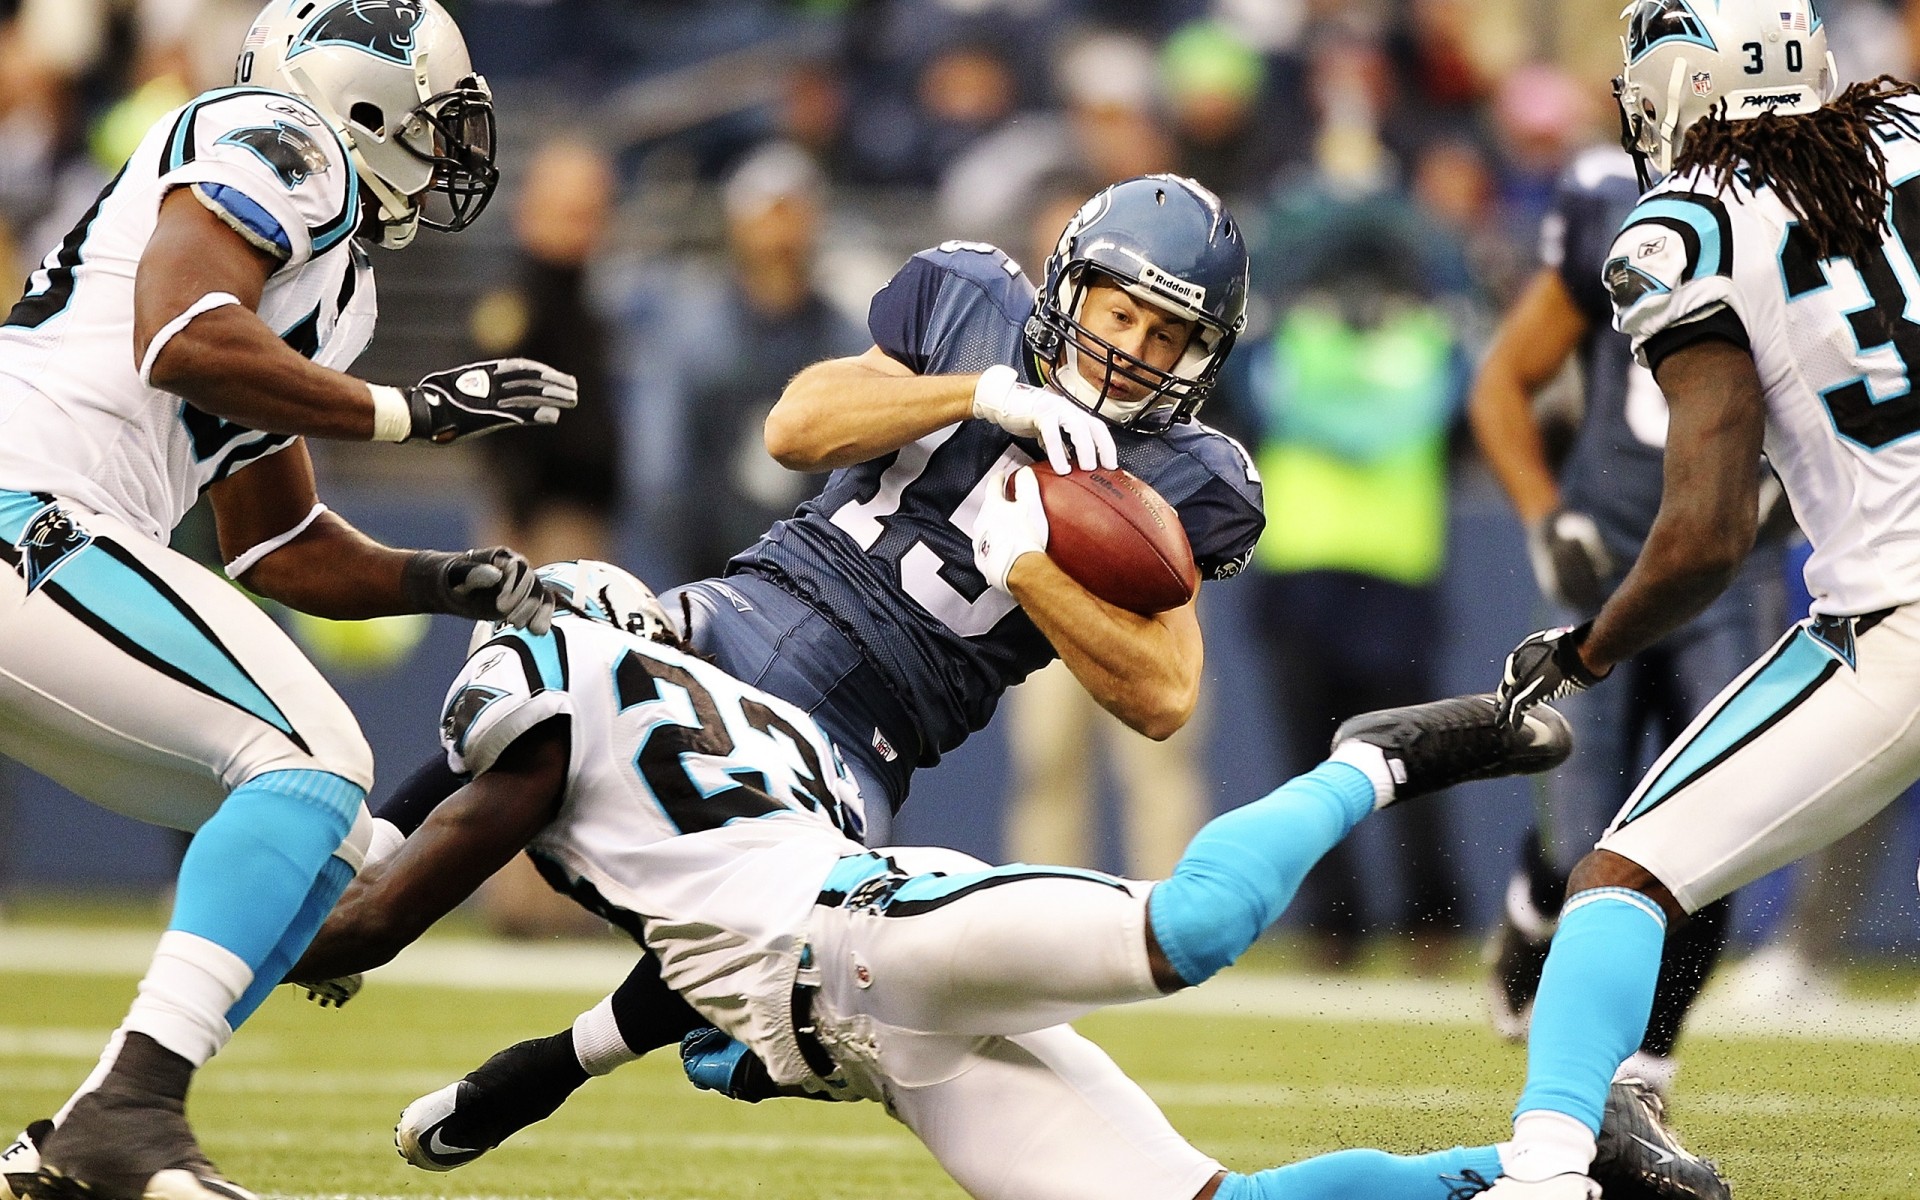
(595, 968)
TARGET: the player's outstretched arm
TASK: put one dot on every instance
(472, 834)
(1709, 503)
(844, 411)
(197, 334)
(1532, 344)
(278, 540)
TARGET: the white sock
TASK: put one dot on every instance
(185, 996)
(1371, 761)
(1546, 1144)
(597, 1042)
(1657, 1071)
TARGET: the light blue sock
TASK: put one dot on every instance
(1240, 872)
(1369, 1174)
(1596, 994)
(333, 879)
(255, 870)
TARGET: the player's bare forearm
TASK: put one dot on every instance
(1143, 669)
(1532, 344)
(848, 410)
(472, 834)
(331, 569)
(227, 361)
(1708, 503)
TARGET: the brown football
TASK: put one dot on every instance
(1117, 538)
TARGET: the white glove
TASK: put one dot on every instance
(1026, 411)
(1009, 527)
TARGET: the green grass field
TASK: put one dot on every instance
(303, 1102)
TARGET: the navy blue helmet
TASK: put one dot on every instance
(1165, 240)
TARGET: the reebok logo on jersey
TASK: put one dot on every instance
(384, 30)
(1650, 248)
(293, 155)
(48, 541)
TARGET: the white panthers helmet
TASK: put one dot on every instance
(393, 79)
(598, 591)
(1732, 59)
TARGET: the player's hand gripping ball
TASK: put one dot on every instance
(1116, 537)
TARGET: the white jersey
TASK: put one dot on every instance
(1836, 344)
(701, 815)
(75, 419)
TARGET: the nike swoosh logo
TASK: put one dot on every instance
(440, 1149)
(1663, 1156)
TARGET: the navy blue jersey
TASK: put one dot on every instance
(1612, 471)
(885, 551)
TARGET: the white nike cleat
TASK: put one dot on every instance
(422, 1137)
(1560, 1187)
(20, 1161)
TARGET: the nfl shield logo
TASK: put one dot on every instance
(1703, 83)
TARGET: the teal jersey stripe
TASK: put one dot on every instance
(126, 602)
(1773, 691)
(925, 889)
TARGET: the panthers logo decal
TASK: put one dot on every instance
(48, 541)
(293, 155)
(384, 30)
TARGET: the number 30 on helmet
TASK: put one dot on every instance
(394, 80)
(1732, 59)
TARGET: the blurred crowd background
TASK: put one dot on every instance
(699, 198)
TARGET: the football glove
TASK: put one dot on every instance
(1011, 523)
(1031, 412)
(1570, 562)
(484, 396)
(494, 584)
(1546, 665)
(715, 1062)
(333, 993)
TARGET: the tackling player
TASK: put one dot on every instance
(182, 340)
(898, 605)
(1585, 522)
(1769, 283)
(710, 821)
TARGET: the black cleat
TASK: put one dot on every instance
(1433, 746)
(20, 1161)
(1639, 1158)
(128, 1139)
(1514, 962)
(521, 1085)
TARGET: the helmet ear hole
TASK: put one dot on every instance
(369, 117)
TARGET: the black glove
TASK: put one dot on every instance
(1570, 562)
(495, 584)
(1544, 666)
(333, 993)
(484, 396)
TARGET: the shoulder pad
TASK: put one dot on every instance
(1671, 262)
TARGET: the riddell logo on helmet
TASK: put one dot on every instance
(1770, 100)
(1173, 285)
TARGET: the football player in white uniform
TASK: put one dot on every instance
(183, 339)
(1769, 282)
(711, 821)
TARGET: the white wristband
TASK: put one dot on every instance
(171, 329)
(392, 415)
(247, 561)
(990, 392)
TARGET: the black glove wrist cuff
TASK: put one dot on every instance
(1576, 666)
(423, 581)
(422, 413)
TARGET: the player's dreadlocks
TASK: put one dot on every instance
(1826, 166)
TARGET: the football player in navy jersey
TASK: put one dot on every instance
(1586, 522)
(898, 605)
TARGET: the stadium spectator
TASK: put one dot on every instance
(1347, 404)
(1214, 84)
(770, 314)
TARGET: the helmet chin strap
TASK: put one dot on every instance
(1667, 150)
